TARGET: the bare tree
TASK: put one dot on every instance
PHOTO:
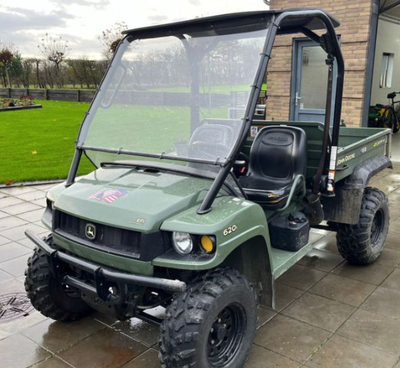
(55, 50)
(111, 37)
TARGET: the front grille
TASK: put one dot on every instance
(107, 238)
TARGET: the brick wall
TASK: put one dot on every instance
(355, 19)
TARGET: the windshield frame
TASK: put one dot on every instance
(96, 102)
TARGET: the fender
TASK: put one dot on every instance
(346, 205)
(243, 242)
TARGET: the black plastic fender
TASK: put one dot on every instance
(346, 205)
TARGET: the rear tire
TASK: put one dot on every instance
(212, 324)
(363, 243)
(50, 297)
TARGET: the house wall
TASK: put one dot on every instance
(355, 18)
(388, 40)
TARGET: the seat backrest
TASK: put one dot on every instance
(278, 154)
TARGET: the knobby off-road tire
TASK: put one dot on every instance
(362, 244)
(211, 324)
(50, 297)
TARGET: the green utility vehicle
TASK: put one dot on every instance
(194, 211)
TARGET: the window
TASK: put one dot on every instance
(386, 70)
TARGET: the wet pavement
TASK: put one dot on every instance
(328, 313)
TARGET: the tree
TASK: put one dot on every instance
(111, 37)
(55, 50)
(7, 58)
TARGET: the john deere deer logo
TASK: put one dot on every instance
(90, 231)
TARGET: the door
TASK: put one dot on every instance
(310, 82)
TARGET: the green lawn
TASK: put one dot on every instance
(38, 144)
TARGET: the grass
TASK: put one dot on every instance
(38, 144)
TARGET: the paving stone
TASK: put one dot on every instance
(341, 352)
(393, 281)
(3, 214)
(5, 276)
(321, 260)
(105, 348)
(12, 250)
(4, 240)
(327, 244)
(392, 241)
(343, 290)
(15, 326)
(19, 352)
(46, 187)
(318, 311)
(32, 216)
(51, 362)
(293, 339)
(18, 233)
(373, 329)
(17, 190)
(105, 319)
(31, 196)
(10, 222)
(372, 274)
(284, 295)
(40, 224)
(139, 330)
(57, 336)
(16, 266)
(301, 277)
(389, 257)
(40, 202)
(148, 359)
(21, 208)
(263, 358)
(264, 315)
(11, 286)
(27, 243)
(9, 201)
(384, 301)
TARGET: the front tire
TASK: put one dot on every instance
(50, 297)
(363, 243)
(211, 324)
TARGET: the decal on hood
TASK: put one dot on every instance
(109, 195)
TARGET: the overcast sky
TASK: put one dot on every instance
(25, 22)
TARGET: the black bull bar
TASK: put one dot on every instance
(101, 274)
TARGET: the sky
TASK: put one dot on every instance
(25, 22)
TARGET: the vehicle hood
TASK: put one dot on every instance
(130, 198)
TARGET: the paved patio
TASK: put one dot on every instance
(329, 314)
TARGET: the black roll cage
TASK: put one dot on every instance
(298, 20)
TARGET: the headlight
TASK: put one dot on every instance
(183, 242)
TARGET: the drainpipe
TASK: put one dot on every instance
(370, 61)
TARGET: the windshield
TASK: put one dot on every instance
(176, 98)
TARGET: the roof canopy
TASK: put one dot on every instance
(390, 8)
(230, 23)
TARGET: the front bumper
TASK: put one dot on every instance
(102, 275)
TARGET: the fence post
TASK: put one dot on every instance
(27, 91)
(46, 94)
(78, 95)
(9, 92)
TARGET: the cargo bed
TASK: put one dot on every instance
(355, 144)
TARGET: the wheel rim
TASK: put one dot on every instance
(226, 335)
(377, 227)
